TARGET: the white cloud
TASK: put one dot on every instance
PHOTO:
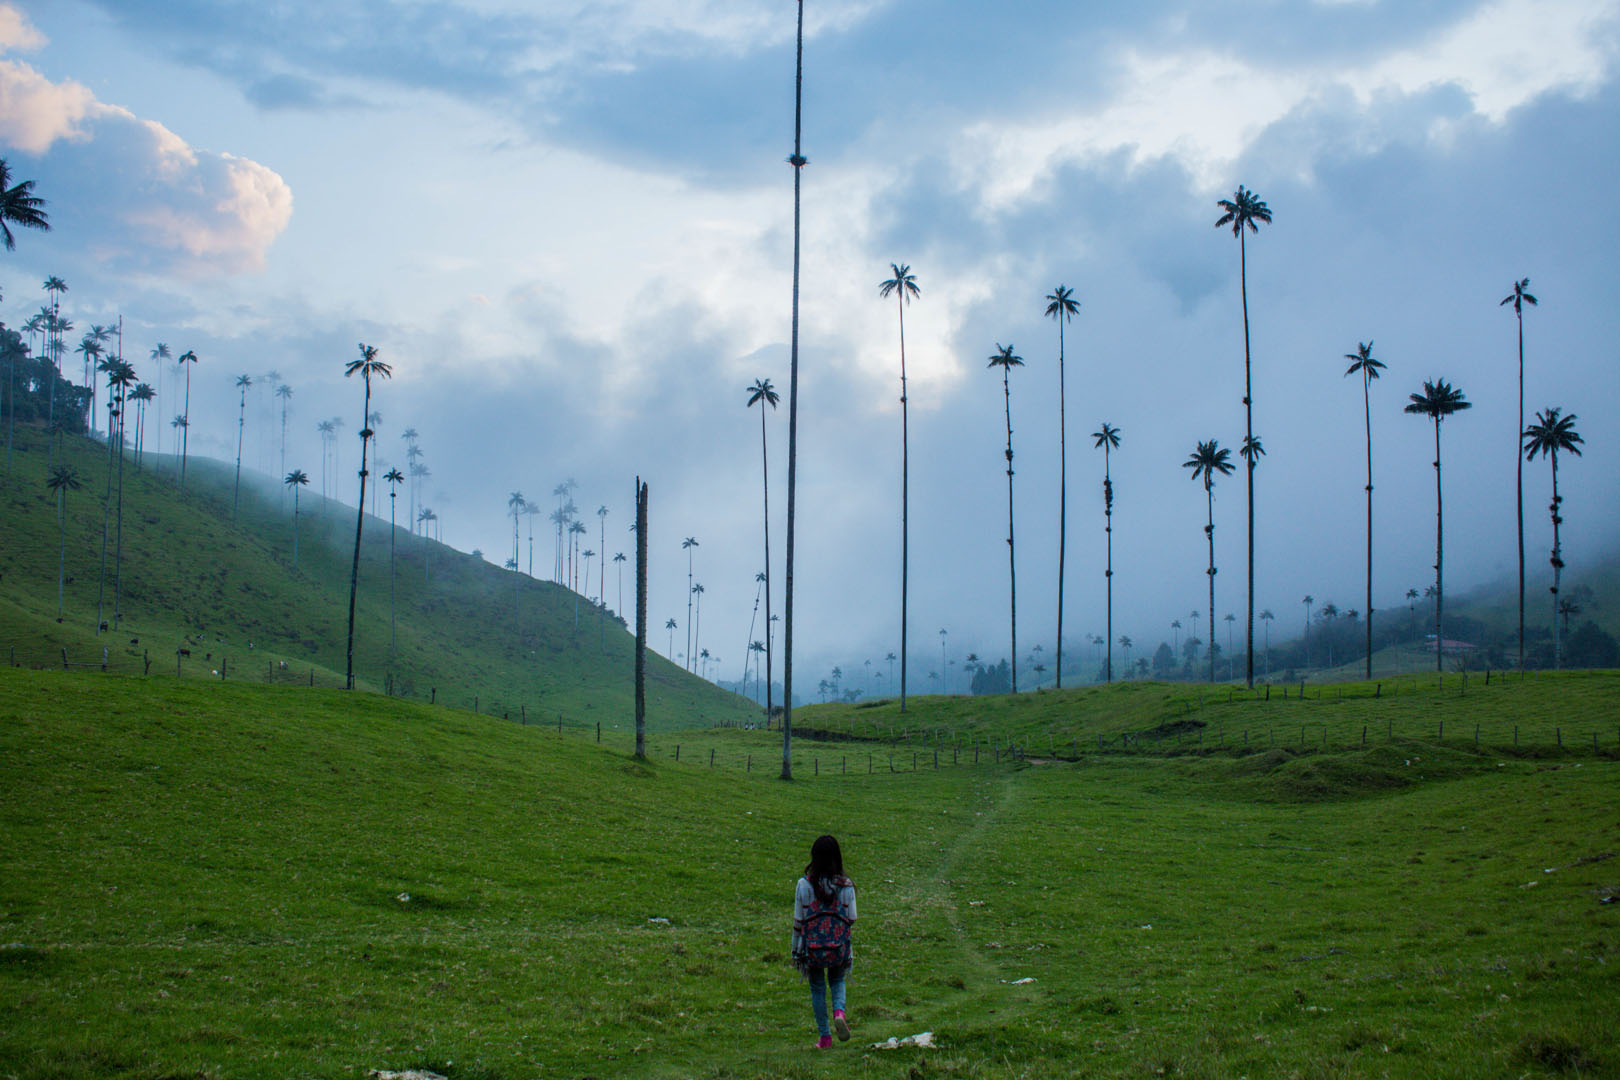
(166, 207)
(1207, 108)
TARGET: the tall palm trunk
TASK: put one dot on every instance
(106, 516)
(1063, 502)
(798, 163)
(1366, 402)
(765, 471)
(359, 525)
(641, 619)
(905, 495)
(1108, 573)
(61, 566)
(241, 427)
(393, 629)
(1012, 562)
(1248, 431)
(295, 526)
(1439, 558)
(1519, 484)
(1557, 562)
(1209, 533)
(185, 431)
(118, 543)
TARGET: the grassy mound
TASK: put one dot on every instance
(233, 880)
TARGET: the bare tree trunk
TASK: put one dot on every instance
(798, 163)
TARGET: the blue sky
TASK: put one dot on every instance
(568, 225)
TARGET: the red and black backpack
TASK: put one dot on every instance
(826, 930)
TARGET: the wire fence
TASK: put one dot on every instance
(860, 746)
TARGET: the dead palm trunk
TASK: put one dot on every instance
(798, 163)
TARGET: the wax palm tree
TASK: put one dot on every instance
(394, 478)
(1438, 401)
(1062, 306)
(1107, 440)
(1308, 601)
(55, 286)
(89, 348)
(1246, 209)
(798, 161)
(187, 360)
(601, 573)
(762, 393)
(19, 206)
(1126, 644)
(296, 479)
(328, 433)
(1004, 359)
(688, 544)
(160, 355)
(1519, 297)
(670, 626)
(902, 285)
(1266, 616)
(515, 503)
(1364, 364)
(1548, 435)
(63, 479)
(618, 561)
(1206, 461)
(1175, 636)
(366, 367)
(243, 383)
(1330, 611)
(285, 393)
(120, 378)
(142, 394)
(697, 621)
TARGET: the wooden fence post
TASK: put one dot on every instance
(711, 756)
(64, 658)
(677, 752)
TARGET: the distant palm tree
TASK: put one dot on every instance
(1126, 644)
(1438, 401)
(762, 393)
(1107, 440)
(601, 574)
(1266, 616)
(1519, 297)
(903, 287)
(63, 479)
(688, 544)
(187, 360)
(1330, 611)
(1229, 619)
(328, 433)
(890, 657)
(1004, 359)
(296, 479)
(618, 561)
(670, 626)
(55, 286)
(1207, 460)
(1246, 209)
(142, 394)
(1363, 363)
(1175, 635)
(243, 382)
(514, 510)
(394, 478)
(1061, 305)
(89, 347)
(1548, 435)
(798, 161)
(367, 366)
(697, 621)
(159, 355)
(1308, 601)
(19, 206)
(285, 393)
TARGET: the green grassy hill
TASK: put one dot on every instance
(227, 591)
(225, 880)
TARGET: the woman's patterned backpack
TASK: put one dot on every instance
(827, 931)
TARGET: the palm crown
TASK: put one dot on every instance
(1208, 460)
(903, 282)
(1438, 400)
(1005, 359)
(762, 390)
(1243, 208)
(1519, 296)
(19, 206)
(1362, 361)
(1551, 434)
(1061, 304)
(1107, 436)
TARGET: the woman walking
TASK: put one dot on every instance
(823, 917)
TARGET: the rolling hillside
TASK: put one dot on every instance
(460, 630)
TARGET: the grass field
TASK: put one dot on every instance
(207, 879)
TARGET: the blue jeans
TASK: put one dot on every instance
(820, 979)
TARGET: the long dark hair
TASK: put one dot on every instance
(826, 866)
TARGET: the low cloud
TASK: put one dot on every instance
(167, 207)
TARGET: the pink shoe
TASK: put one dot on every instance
(823, 1043)
(840, 1025)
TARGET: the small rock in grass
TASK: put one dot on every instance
(923, 1039)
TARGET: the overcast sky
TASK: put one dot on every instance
(568, 225)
